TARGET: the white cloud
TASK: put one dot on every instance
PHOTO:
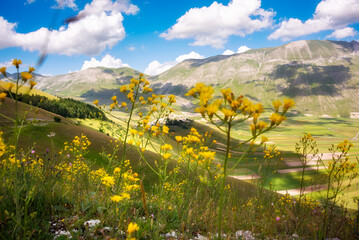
(329, 14)
(241, 49)
(228, 52)
(30, 1)
(131, 48)
(191, 55)
(64, 4)
(343, 33)
(155, 67)
(97, 27)
(107, 61)
(214, 24)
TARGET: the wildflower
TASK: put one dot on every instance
(9, 86)
(178, 138)
(25, 76)
(123, 88)
(166, 147)
(227, 113)
(114, 98)
(31, 69)
(276, 105)
(264, 139)
(287, 103)
(277, 218)
(165, 129)
(208, 155)
(108, 181)
(132, 227)
(2, 96)
(171, 99)
(95, 102)
(3, 71)
(32, 84)
(166, 156)
(116, 198)
(52, 134)
(16, 62)
(212, 109)
(123, 104)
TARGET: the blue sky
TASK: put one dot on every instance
(154, 35)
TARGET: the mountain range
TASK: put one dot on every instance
(322, 77)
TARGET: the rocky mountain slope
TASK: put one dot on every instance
(322, 77)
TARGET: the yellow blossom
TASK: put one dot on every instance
(25, 76)
(2, 96)
(108, 181)
(31, 69)
(16, 62)
(123, 104)
(166, 147)
(166, 156)
(95, 102)
(208, 155)
(132, 227)
(123, 88)
(114, 98)
(178, 138)
(276, 105)
(227, 112)
(3, 71)
(171, 99)
(287, 103)
(9, 86)
(32, 84)
(264, 139)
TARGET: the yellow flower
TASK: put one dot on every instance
(227, 112)
(116, 198)
(165, 129)
(26, 76)
(16, 62)
(123, 104)
(123, 88)
(166, 156)
(132, 227)
(3, 71)
(178, 138)
(212, 109)
(277, 118)
(166, 147)
(171, 99)
(133, 131)
(31, 69)
(95, 102)
(9, 86)
(264, 139)
(208, 155)
(32, 84)
(108, 181)
(287, 103)
(2, 96)
(114, 98)
(276, 105)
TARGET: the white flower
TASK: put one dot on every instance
(92, 223)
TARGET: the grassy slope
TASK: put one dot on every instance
(25, 89)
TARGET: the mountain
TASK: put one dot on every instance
(89, 84)
(322, 76)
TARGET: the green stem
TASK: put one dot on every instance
(224, 181)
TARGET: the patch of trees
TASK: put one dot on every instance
(65, 107)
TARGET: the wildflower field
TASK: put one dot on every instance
(233, 170)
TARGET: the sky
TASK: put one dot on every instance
(154, 35)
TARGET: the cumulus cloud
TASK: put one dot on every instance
(241, 49)
(329, 15)
(107, 61)
(343, 33)
(65, 3)
(214, 24)
(97, 27)
(155, 67)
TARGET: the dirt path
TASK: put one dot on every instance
(246, 177)
(306, 190)
(291, 170)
